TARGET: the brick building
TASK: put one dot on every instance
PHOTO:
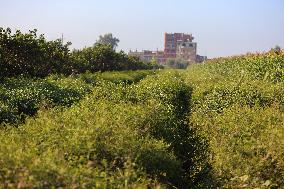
(176, 45)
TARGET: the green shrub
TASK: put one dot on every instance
(104, 58)
(21, 97)
(31, 55)
(237, 106)
(118, 136)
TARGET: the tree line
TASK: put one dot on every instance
(30, 54)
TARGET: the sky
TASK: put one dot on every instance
(220, 27)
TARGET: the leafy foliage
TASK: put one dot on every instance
(21, 97)
(104, 58)
(237, 105)
(118, 136)
(107, 39)
(30, 55)
(215, 125)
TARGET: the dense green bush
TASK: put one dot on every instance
(104, 58)
(216, 125)
(28, 54)
(21, 97)
(247, 145)
(119, 136)
(263, 67)
(169, 98)
(237, 105)
(31, 55)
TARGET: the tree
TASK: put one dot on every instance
(108, 39)
(97, 58)
(30, 54)
(276, 49)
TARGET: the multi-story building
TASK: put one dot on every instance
(171, 43)
(176, 45)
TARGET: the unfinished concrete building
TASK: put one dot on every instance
(186, 50)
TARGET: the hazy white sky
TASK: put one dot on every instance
(220, 27)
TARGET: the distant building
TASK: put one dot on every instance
(176, 45)
(200, 59)
(148, 56)
(171, 43)
(186, 50)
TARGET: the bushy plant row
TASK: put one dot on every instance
(264, 67)
(119, 136)
(237, 105)
(28, 54)
(21, 97)
(104, 58)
